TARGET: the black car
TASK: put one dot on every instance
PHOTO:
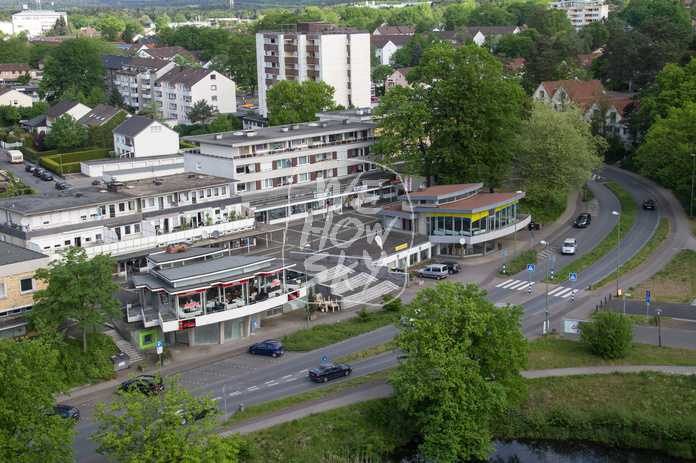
(187, 416)
(98, 182)
(649, 204)
(38, 171)
(46, 176)
(269, 347)
(583, 220)
(30, 167)
(327, 371)
(145, 384)
(66, 412)
(452, 267)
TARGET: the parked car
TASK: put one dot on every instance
(98, 182)
(269, 347)
(437, 271)
(374, 99)
(46, 176)
(66, 412)
(38, 171)
(583, 220)
(145, 384)
(327, 371)
(188, 416)
(570, 245)
(64, 186)
(649, 204)
(30, 167)
(452, 267)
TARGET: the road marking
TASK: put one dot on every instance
(252, 388)
(272, 384)
(269, 382)
(235, 393)
(291, 379)
(288, 376)
(561, 293)
(552, 292)
(304, 371)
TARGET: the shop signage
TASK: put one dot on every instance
(360, 188)
(403, 246)
(190, 323)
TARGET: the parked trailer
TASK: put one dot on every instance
(15, 156)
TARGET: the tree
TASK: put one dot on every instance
(115, 98)
(460, 369)
(9, 115)
(594, 34)
(610, 335)
(131, 29)
(111, 28)
(30, 376)
(436, 128)
(201, 112)
(379, 77)
(162, 428)
(674, 87)
(516, 45)
(220, 124)
(637, 12)
(238, 61)
(96, 97)
(66, 132)
(77, 288)
(291, 102)
(557, 153)
(75, 63)
(24, 78)
(78, 21)
(60, 27)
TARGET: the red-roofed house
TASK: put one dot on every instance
(457, 219)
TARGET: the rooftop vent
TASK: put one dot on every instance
(325, 124)
(295, 127)
(283, 129)
(250, 133)
(218, 136)
(177, 247)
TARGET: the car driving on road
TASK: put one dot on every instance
(583, 220)
(66, 412)
(649, 204)
(145, 384)
(327, 371)
(570, 245)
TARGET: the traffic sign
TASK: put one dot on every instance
(573, 276)
(255, 323)
(159, 347)
(647, 296)
(530, 267)
(324, 359)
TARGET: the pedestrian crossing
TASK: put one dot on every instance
(523, 285)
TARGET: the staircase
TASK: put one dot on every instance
(332, 273)
(359, 281)
(368, 294)
(136, 356)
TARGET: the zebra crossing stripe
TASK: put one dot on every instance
(522, 285)
(554, 291)
(571, 292)
(507, 284)
(565, 291)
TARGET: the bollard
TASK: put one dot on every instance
(600, 303)
(241, 407)
(596, 309)
(610, 296)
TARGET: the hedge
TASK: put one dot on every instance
(71, 161)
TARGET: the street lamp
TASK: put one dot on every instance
(618, 241)
(693, 169)
(60, 156)
(624, 298)
(304, 248)
(546, 243)
(516, 209)
(659, 334)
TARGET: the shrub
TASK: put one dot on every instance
(610, 335)
(365, 315)
(391, 303)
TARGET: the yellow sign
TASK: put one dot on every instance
(403, 246)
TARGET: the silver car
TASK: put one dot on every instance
(437, 271)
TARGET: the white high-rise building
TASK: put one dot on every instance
(320, 51)
(582, 12)
(36, 22)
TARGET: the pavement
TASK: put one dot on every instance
(479, 270)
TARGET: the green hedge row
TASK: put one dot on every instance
(71, 161)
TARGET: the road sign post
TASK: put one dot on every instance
(160, 348)
(573, 277)
(530, 269)
(552, 259)
(504, 254)
(647, 306)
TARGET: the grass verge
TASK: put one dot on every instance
(628, 216)
(519, 264)
(646, 251)
(675, 283)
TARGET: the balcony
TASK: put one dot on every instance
(146, 86)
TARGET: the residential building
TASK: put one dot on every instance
(177, 90)
(208, 296)
(479, 35)
(582, 12)
(36, 22)
(315, 163)
(10, 97)
(135, 78)
(17, 287)
(395, 30)
(127, 219)
(72, 107)
(168, 53)
(100, 115)
(30, 90)
(319, 51)
(10, 72)
(386, 46)
(458, 219)
(397, 78)
(141, 136)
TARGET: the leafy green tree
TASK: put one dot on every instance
(111, 27)
(60, 27)
(610, 335)
(162, 428)
(37, 52)
(36, 109)
(180, 18)
(144, 19)
(24, 78)
(637, 12)
(131, 29)
(116, 99)
(30, 376)
(460, 369)
(665, 154)
(75, 63)
(238, 61)
(674, 87)
(402, 57)
(290, 101)
(78, 21)
(456, 15)
(416, 54)
(516, 45)
(14, 50)
(152, 109)
(96, 97)
(220, 124)
(523, 10)
(471, 138)
(78, 288)
(379, 77)
(489, 14)
(9, 115)
(162, 21)
(594, 34)
(66, 133)
(557, 153)
(201, 112)
(187, 61)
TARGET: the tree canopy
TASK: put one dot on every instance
(78, 288)
(66, 133)
(201, 112)
(610, 335)
(460, 369)
(290, 101)
(557, 153)
(163, 428)
(437, 128)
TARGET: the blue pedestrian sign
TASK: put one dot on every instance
(323, 359)
(530, 267)
(647, 296)
(255, 323)
(573, 276)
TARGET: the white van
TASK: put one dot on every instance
(15, 156)
(437, 271)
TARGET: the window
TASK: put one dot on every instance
(223, 190)
(127, 230)
(266, 166)
(3, 291)
(212, 76)
(266, 183)
(150, 202)
(121, 207)
(131, 205)
(158, 128)
(302, 160)
(136, 228)
(26, 285)
(303, 177)
(216, 191)
(199, 167)
(213, 88)
(214, 98)
(209, 192)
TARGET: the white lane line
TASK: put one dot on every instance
(269, 382)
(235, 393)
(291, 379)
(272, 384)
(518, 284)
(305, 370)
(507, 284)
(252, 388)
(287, 376)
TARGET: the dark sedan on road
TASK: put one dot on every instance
(30, 167)
(38, 171)
(46, 176)
(649, 204)
(268, 347)
(452, 267)
(583, 220)
(327, 371)
(145, 384)
(98, 182)
(66, 412)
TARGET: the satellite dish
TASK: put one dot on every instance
(204, 234)
(216, 234)
(24, 221)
